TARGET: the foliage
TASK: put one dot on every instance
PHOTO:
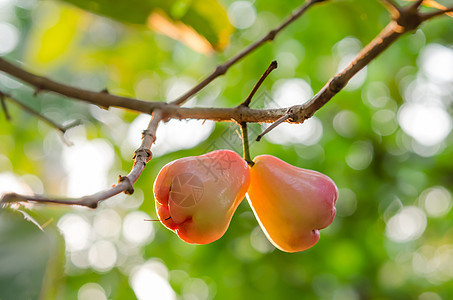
(392, 237)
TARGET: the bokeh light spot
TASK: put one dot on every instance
(91, 291)
(260, 242)
(76, 231)
(436, 201)
(102, 256)
(427, 124)
(87, 164)
(346, 123)
(107, 223)
(384, 122)
(136, 230)
(9, 37)
(172, 136)
(308, 133)
(149, 284)
(242, 14)
(437, 62)
(360, 155)
(407, 225)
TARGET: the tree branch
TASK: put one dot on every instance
(106, 100)
(125, 183)
(223, 68)
(408, 19)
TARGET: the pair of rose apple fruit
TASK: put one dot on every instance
(197, 196)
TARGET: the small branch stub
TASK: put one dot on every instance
(269, 69)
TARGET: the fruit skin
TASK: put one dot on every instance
(200, 212)
(291, 204)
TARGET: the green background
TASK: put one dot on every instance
(384, 174)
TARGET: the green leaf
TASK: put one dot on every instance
(27, 257)
(207, 17)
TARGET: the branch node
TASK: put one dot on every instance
(336, 84)
(409, 17)
(143, 151)
(220, 70)
(271, 35)
(130, 189)
(148, 132)
(86, 201)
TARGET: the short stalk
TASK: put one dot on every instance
(245, 144)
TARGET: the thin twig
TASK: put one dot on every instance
(409, 19)
(437, 13)
(223, 68)
(272, 126)
(40, 116)
(391, 7)
(125, 183)
(269, 69)
(390, 3)
(417, 4)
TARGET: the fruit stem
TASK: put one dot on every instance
(245, 144)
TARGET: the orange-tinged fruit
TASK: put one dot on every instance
(291, 204)
(197, 196)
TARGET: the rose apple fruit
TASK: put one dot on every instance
(290, 203)
(197, 196)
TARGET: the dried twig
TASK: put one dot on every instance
(106, 100)
(125, 183)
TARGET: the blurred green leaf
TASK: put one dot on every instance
(207, 17)
(29, 258)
